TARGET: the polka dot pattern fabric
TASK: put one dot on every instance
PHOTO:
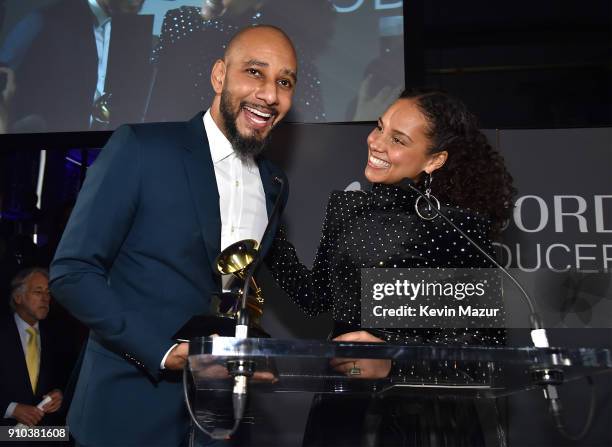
(381, 229)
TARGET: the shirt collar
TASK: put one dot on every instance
(23, 325)
(101, 16)
(220, 146)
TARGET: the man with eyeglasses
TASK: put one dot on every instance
(32, 366)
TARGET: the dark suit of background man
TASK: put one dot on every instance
(136, 260)
(72, 52)
(32, 362)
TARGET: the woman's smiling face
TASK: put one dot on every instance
(398, 147)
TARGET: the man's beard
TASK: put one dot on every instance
(245, 147)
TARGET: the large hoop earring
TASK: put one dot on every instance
(427, 213)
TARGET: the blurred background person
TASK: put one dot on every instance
(34, 361)
(70, 58)
(192, 38)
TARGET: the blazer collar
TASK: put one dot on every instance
(271, 190)
(203, 185)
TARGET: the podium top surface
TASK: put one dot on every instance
(304, 366)
(306, 349)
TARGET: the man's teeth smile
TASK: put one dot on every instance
(257, 115)
(378, 163)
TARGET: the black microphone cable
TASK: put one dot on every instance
(539, 339)
(243, 318)
(548, 378)
(217, 433)
(241, 369)
(244, 368)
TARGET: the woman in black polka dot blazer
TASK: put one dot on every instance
(431, 139)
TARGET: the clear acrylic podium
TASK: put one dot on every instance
(469, 371)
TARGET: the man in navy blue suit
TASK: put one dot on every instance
(136, 260)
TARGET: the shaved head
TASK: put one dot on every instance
(245, 34)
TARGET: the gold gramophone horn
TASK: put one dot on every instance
(101, 110)
(235, 260)
(237, 257)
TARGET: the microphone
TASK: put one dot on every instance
(242, 331)
(538, 333)
(548, 378)
(242, 369)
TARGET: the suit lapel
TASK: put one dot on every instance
(271, 190)
(203, 185)
(44, 372)
(21, 367)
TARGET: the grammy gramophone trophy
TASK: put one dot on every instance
(243, 303)
(235, 260)
(101, 112)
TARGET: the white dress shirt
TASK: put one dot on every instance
(102, 32)
(22, 327)
(242, 201)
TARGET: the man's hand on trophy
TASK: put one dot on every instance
(361, 368)
(177, 359)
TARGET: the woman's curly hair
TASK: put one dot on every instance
(474, 175)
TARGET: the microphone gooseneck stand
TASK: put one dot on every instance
(240, 370)
(547, 378)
